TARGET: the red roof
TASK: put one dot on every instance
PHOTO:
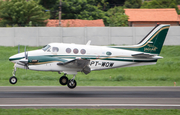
(178, 7)
(76, 23)
(152, 14)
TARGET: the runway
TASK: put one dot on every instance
(90, 97)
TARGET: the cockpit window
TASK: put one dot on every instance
(46, 47)
(55, 49)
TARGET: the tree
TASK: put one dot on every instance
(51, 6)
(88, 10)
(101, 4)
(133, 3)
(80, 9)
(160, 4)
(117, 17)
(113, 3)
(22, 13)
(178, 2)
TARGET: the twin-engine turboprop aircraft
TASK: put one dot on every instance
(73, 58)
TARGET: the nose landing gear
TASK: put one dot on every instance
(13, 79)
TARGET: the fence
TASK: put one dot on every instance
(39, 36)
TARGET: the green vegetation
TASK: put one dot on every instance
(90, 111)
(160, 4)
(22, 13)
(117, 17)
(178, 2)
(164, 73)
(133, 3)
(36, 12)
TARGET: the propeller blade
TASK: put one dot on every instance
(18, 48)
(26, 56)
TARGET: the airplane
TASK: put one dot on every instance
(72, 58)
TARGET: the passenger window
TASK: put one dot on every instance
(83, 51)
(68, 50)
(75, 50)
(55, 49)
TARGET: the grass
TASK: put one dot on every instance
(164, 73)
(89, 111)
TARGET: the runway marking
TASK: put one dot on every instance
(88, 105)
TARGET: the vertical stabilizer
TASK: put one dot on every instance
(152, 42)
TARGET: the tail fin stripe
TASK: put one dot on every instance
(151, 37)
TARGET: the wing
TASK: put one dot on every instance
(77, 63)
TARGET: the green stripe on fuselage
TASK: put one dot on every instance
(63, 58)
(58, 58)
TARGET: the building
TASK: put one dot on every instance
(178, 7)
(75, 23)
(150, 17)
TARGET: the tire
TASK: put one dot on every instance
(63, 80)
(13, 80)
(70, 85)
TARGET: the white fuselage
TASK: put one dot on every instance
(101, 57)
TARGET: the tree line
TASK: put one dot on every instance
(36, 12)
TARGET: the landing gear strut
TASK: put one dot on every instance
(13, 79)
(72, 83)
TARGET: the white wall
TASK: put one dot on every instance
(39, 36)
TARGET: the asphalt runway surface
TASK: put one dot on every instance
(90, 97)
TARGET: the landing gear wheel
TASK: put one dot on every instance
(63, 80)
(13, 80)
(71, 84)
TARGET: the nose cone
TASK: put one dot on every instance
(11, 58)
(16, 57)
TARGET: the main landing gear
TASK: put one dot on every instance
(70, 83)
(63, 80)
(13, 79)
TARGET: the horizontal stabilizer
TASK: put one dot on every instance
(146, 55)
(142, 55)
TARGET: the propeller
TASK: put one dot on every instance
(25, 60)
(26, 54)
(18, 48)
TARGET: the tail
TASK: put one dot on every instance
(152, 42)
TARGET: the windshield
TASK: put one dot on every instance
(46, 47)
